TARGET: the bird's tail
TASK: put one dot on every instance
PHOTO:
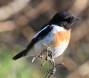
(19, 55)
(24, 52)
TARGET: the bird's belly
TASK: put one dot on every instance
(58, 50)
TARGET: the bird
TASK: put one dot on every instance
(55, 34)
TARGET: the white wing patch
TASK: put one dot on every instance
(40, 31)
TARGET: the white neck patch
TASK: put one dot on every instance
(58, 28)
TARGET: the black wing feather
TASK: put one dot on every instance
(41, 35)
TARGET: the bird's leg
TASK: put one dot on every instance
(46, 59)
(49, 54)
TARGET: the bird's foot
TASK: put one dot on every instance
(48, 57)
(49, 52)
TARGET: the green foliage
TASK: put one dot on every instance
(16, 69)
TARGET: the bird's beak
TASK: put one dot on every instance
(76, 19)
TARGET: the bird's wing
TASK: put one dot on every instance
(42, 33)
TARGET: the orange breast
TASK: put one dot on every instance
(60, 37)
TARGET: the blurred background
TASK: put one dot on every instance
(21, 19)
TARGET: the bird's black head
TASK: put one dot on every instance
(63, 19)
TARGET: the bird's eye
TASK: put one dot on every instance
(71, 18)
